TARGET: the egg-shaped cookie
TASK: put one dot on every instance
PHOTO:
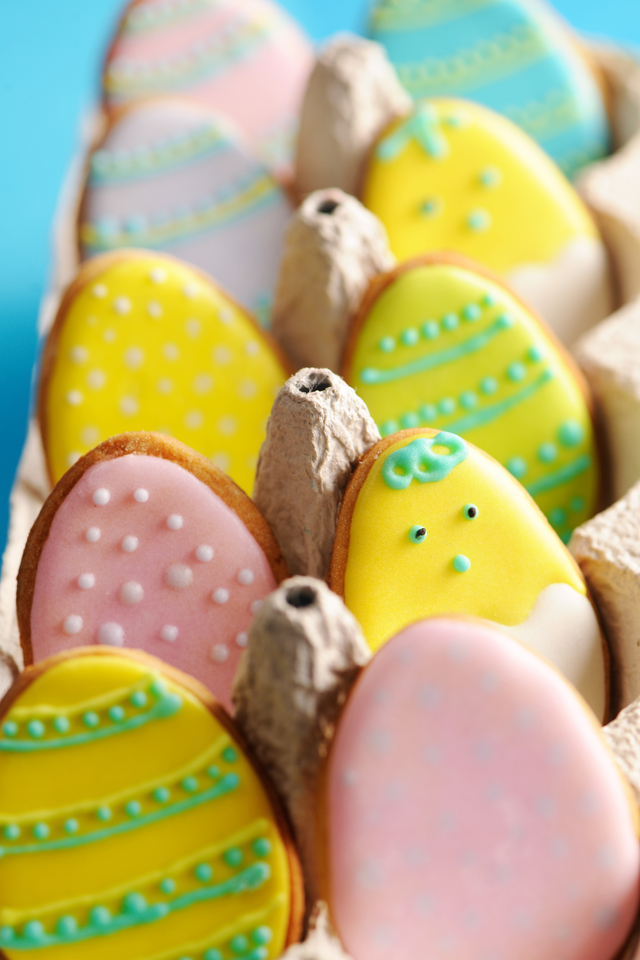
(246, 58)
(133, 822)
(172, 175)
(145, 544)
(144, 342)
(514, 56)
(472, 810)
(438, 342)
(432, 525)
(455, 176)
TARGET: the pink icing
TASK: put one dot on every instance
(473, 811)
(173, 570)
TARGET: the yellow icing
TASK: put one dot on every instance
(530, 431)
(70, 882)
(532, 212)
(514, 554)
(179, 359)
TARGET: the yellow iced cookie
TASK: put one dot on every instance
(456, 176)
(132, 824)
(431, 525)
(438, 343)
(144, 342)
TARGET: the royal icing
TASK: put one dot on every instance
(494, 562)
(249, 60)
(171, 175)
(455, 176)
(513, 56)
(132, 824)
(177, 574)
(145, 343)
(472, 810)
(445, 346)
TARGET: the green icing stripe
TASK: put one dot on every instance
(251, 878)
(226, 784)
(559, 477)
(473, 344)
(482, 417)
(168, 704)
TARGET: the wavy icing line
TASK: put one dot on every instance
(559, 477)
(419, 461)
(412, 14)
(145, 19)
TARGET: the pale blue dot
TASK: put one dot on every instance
(100, 916)
(233, 857)
(517, 467)
(430, 330)
(516, 371)
(213, 771)
(488, 385)
(190, 784)
(409, 337)
(479, 220)
(66, 926)
(139, 698)
(387, 344)
(468, 400)
(104, 814)
(167, 886)
(447, 406)
(571, 433)
(428, 412)
(161, 794)
(431, 207)
(262, 847)
(505, 321)
(471, 312)
(389, 427)
(11, 831)
(203, 872)
(557, 517)
(578, 504)
(135, 224)
(262, 935)
(409, 420)
(239, 944)
(7, 934)
(91, 719)
(489, 300)
(106, 226)
(41, 831)
(547, 452)
(10, 729)
(491, 177)
(133, 808)
(134, 903)
(33, 930)
(35, 729)
(450, 321)
(461, 563)
(116, 714)
(535, 353)
(71, 826)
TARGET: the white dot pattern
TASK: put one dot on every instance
(220, 595)
(101, 497)
(131, 593)
(179, 576)
(220, 652)
(92, 535)
(169, 633)
(111, 634)
(86, 581)
(129, 544)
(174, 521)
(141, 495)
(204, 553)
(246, 577)
(73, 624)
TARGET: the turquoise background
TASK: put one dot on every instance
(50, 57)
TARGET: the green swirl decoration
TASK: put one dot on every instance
(418, 461)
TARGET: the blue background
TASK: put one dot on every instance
(50, 57)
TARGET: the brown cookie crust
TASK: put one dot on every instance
(149, 445)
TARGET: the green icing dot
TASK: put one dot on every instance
(409, 420)
(428, 412)
(547, 452)
(262, 935)
(517, 467)
(578, 504)
(66, 926)
(233, 857)
(468, 400)
(491, 177)
(479, 220)
(133, 808)
(61, 724)
(409, 337)
(505, 321)
(104, 814)
(212, 954)
(535, 353)
(571, 433)
(190, 784)
(203, 872)
(470, 511)
(100, 916)
(35, 729)
(213, 771)
(91, 719)
(41, 831)
(10, 729)
(33, 930)
(557, 517)
(489, 300)
(71, 826)
(450, 321)
(229, 754)
(565, 536)
(430, 330)
(239, 943)
(158, 687)
(488, 385)
(116, 713)
(139, 698)
(389, 427)
(417, 534)
(262, 847)
(12, 831)
(431, 207)
(167, 886)
(461, 563)
(516, 371)
(471, 312)
(387, 344)
(134, 903)
(161, 794)
(7, 934)
(447, 406)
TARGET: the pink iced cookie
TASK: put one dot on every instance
(246, 58)
(145, 544)
(472, 809)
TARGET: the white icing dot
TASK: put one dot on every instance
(521, 919)
(72, 458)
(158, 275)
(252, 348)
(86, 581)
(225, 314)
(92, 321)
(134, 358)
(458, 651)
(169, 633)
(247, 389)
(165, 385)
(141, 495)
(194, 420)
(483, 750)
(559, 847)
(193, 327)
(129, 544)
(242, 639)
(100, 291)
(111, 634)
(433, 754)
(129, 406)
(546, 806)
(219, 652)
(154, 309)
(589, 803)
(380, 740)
(429, 696)
(204, 553)
(557, 755)
(131, 592)
(203, 383)
(222, 461)
(96, 379)
(90, 436)
(174, 521)
(489, 682)
(170, 351)
(74, 398)
(605, 857)
(190, 290)
(73, 624)
(257, 605)
(109, 336)
(227, 426)
(79, 354)
(222, 355)
(179, 576)
(349, 776)
(525, 718)
(101, 497)
(92, 535)
(220, 595)
(246, 577)
(122, 305)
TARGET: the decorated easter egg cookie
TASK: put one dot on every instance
(144, 342)
(472, 810)
(133, 823)
(172, 175)
(455, 176)
(246, 58)
(429, 524)
(145, 544)
(438, 343)
(514, 56)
